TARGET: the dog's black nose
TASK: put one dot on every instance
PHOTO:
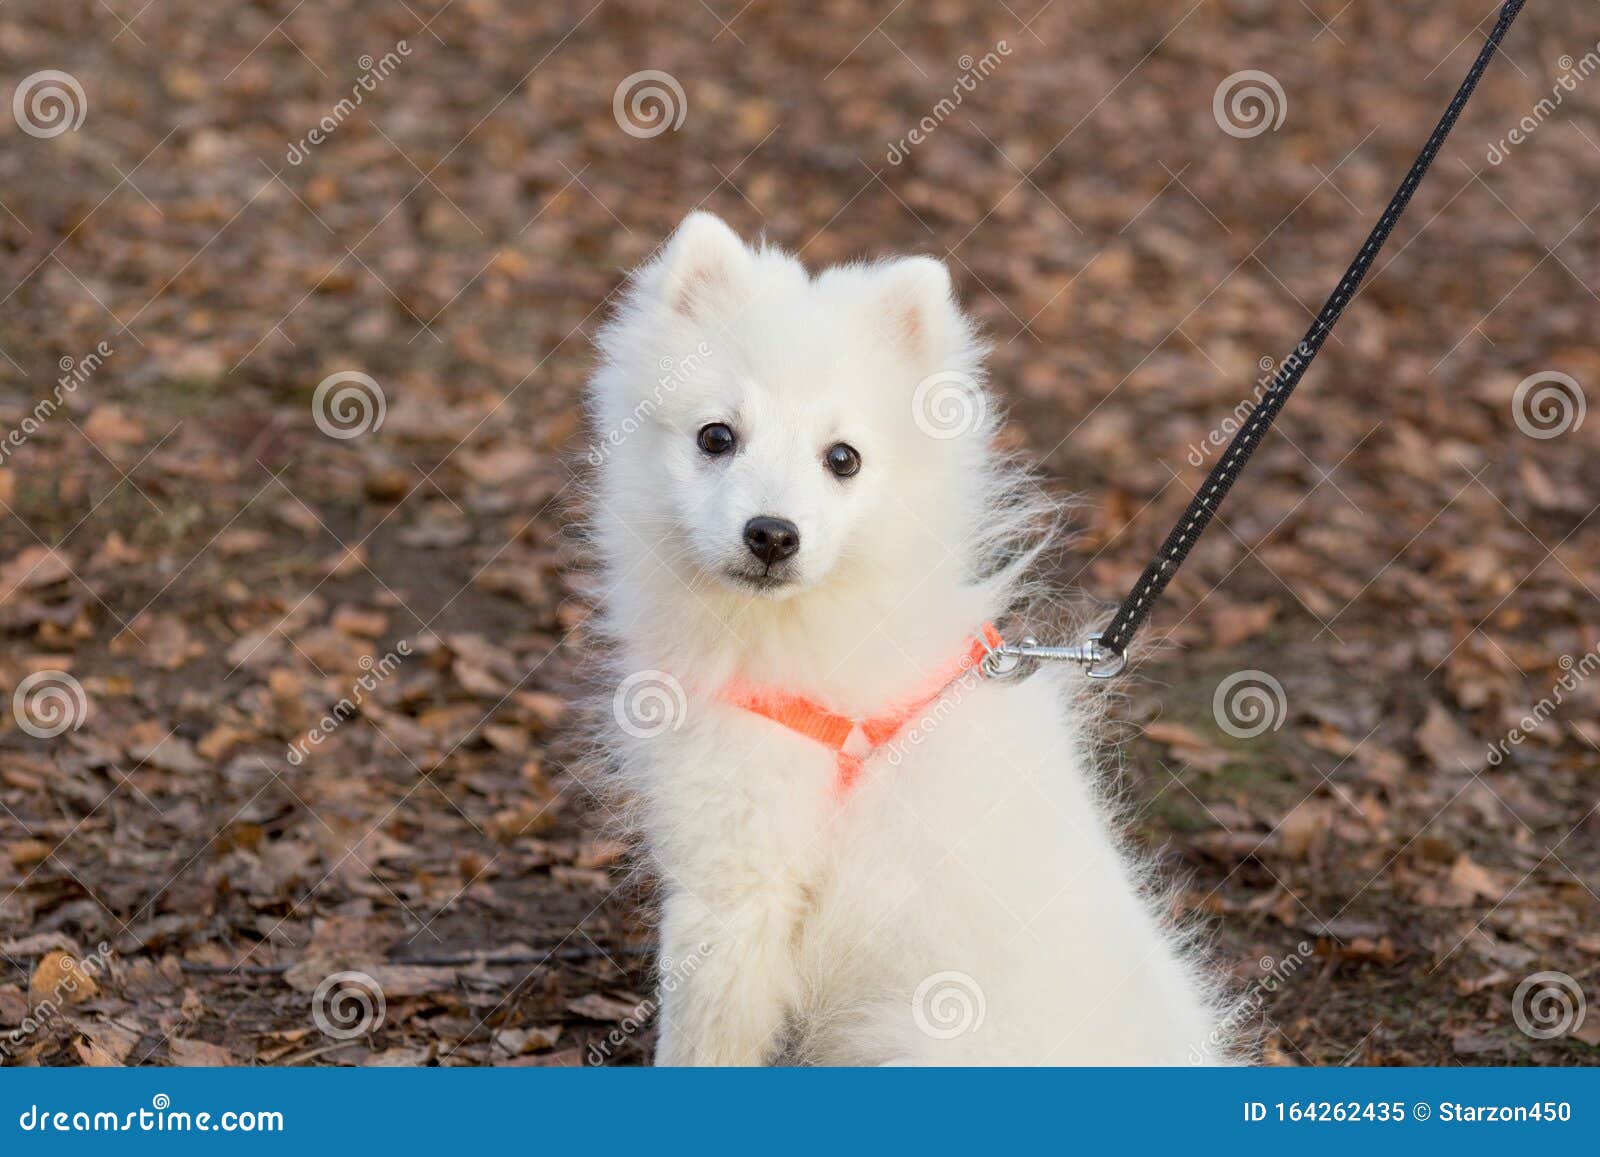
(771, 539)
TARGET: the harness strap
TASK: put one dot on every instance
(854, 740)
(1136, 607)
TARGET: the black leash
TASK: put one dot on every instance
(1105, 653)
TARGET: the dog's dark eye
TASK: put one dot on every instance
(715, 439)
(842, 460)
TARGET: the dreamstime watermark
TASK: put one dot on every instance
(973, 73)
(160, 1117)
(373, 73)
(1548, 404)
(348, 404)
(673, 974)
(1249, 103)
(374, 672)
(649, 703)
(1271, 372)
(649, 103)
(912, 735)
(1250, 703)
(949, 404)
(48, 703)
(1573, 73)
(347, 1005)
(49, 103)
(45, 1011)
(74, 372)
(948, 1004)
(1547, 1005)
(1275, 973)
(674, 373)
(1575, 673)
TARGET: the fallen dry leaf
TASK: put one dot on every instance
(199, 1054)
(61, 978)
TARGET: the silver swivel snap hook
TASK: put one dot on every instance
(1017, 660)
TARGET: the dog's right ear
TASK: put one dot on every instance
(702, 262)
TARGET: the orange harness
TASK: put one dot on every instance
(854, 740)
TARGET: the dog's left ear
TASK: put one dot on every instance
(920, 308)
(703, 261)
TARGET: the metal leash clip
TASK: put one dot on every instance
(1014, 660)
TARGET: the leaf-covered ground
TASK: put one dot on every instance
(197, 573)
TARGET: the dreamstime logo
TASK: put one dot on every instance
(973, 73)
(674, 373)
(649, 703)
(674, 973)
(374, 672)
(348, 404)
(46, 1011)
(1249, 703)
(909, 738)
(74, 372)
(373, 72)
(1248, 103)
(49, 103)
(947, 1005)
(1221, 434)
(648, 103)
(948, 404)
(1275, 973)
(347, 1005)
(1574, 672)
(1547, 1005)
(1573, 73)
(48, 703)
(1548, 404)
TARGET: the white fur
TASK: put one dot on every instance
(974, 866)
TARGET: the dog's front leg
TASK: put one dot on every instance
(727, 974)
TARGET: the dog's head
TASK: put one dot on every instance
(761, 429)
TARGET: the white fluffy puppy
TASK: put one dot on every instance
(869, 853)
